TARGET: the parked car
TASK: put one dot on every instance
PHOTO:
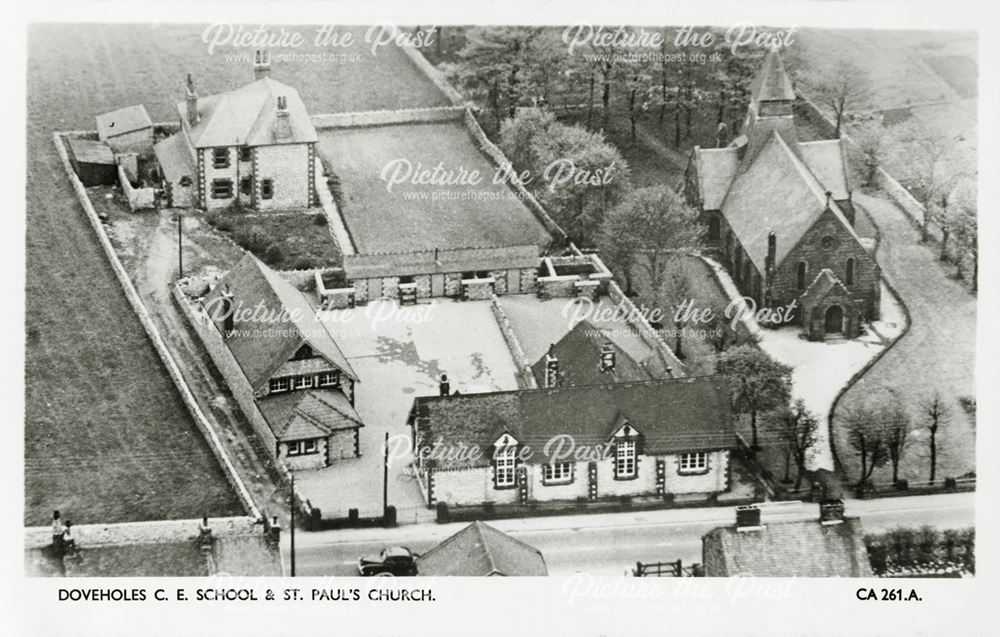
(397, 561)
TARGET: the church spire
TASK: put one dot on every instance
(772, 83)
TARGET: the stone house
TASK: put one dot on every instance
(579, 443)
(479, 550)
(831, 546)
(779, 212)
(288, 373)
(254, 145)
(126, 130)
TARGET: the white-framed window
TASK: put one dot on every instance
(303, 447)
(303, 382)
(693, 462)
(557, 473)
(280, 384)
(625, 459)
(326, 379)
(505, 466)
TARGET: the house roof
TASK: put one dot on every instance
(772, 82)
(174, 158)
(124, 120)
(265, 340)
(479, 550)
(791, 549)
(87, 151)
(777, 193)
(579, 355)
(246, 116)
(315, 413)
(673, 416)
(821, 286)
(365, 266)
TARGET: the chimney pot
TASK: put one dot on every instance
(261, 65)
(607, 358)
(444, 387)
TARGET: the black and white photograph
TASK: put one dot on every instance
(677, 317)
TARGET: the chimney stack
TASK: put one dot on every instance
(551, 369)
(748, 518)
(831, 511)
(261, 65)
(828, 196)
(607, 358)
(282, 123)
(192, 102)
(444, 387)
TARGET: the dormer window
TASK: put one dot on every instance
(280, 385)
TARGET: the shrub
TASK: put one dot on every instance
(274, 255)
(252, 239)
(320, 219)
(305, 262)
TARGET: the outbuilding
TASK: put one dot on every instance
(127, 130)
(93, 161)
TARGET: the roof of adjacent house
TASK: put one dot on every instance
(174, 158)
(671, 416)
(87, 151)
(124, 120)
(791, 549)
(777, 193)
(366, 266)
(246, 116)
(265, 340)
(579, 356)
(315, 413)
(479, 550)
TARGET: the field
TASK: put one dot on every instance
(475, 211)
(107, 438)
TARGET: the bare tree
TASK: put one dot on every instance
(674, 292)
(866, 437)
(868, 152)
(797, 430)
(935, 414)
(897, 428)
(718, 331)
(841, 86)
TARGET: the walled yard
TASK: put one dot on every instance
(399, 354)
(423, 217)
(107, 438)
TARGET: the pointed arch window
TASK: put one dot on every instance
(803, 270)
(849, 279)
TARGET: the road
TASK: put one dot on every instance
(609, 544)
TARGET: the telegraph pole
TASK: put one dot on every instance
(385, 474)
(292, 525)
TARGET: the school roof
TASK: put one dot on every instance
(301, 415)
(671, 416)
(579, 356)
(263, 341)
(790, 549)
(246, 116)
(124, 120)
(420, 216)
(479, 550)
(385, 264)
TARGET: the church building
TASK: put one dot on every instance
(780, 216)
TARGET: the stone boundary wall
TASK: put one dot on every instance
(153, 333)
(388, 117)
(899, 195)
(138, 198)
(525, 377)
(338, 229)
(151, 532)
(499, 159)
(434, 75)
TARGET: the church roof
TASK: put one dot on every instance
(824, 282)
(246, 116)
(826, 159)
(264, 340)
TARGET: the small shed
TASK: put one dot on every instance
(93, 162)
(126, 130)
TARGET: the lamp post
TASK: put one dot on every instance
(292, 525)
(180, 249)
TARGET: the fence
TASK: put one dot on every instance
(667, 569)
(388, 117)
(907, 487)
